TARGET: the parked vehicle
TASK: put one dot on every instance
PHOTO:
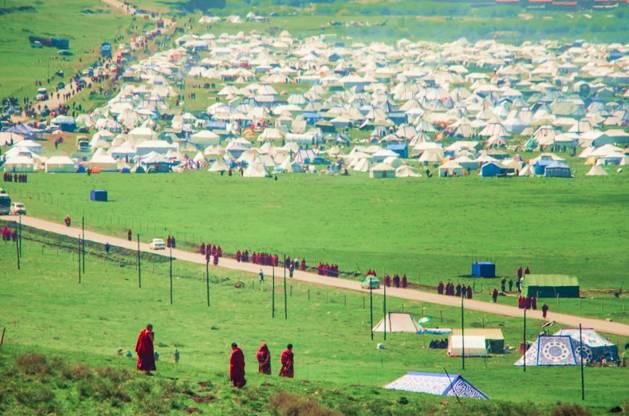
(5, 204)
(157, 244)
(18, 208)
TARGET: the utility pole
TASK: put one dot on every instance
(79, 257)
(581, 358)
(207, 278)
(20, 234)
(170, 258)
(371, 307)
(83, 239)
(139, 264)
(462, 331)
(285, 299)
(384, 309)
(524, 341)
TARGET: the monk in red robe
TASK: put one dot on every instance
(404, 281)
(303, 265)
(144, 349)
(288, 361)
(129, 234)
(237, 367)
(264, 359)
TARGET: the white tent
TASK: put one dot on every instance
(397, 322)
(406, 172)
(19, 164)
(382, 171)
(205, 138)
(474, 346)
(451, 168)
(255, 170)
(103, 161)
(218, 166)
(60, 164)
(596, 170)
(361, 165)
(140, 134)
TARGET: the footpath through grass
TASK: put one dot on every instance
(43, 307)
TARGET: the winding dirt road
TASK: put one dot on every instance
(312, 278)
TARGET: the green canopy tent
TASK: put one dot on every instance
(551, 286)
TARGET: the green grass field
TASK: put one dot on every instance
(89, 322)
(430, 229)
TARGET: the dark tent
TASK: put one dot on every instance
(551, 286)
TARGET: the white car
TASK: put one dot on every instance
(18, 208)
(157, 244)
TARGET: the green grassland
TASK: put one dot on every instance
(335, 357)
(21, 65)
(430, 229)
(420, 20)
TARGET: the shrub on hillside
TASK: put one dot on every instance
(568, 409)
(285, 404)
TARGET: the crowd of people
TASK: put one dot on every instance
(15, 177)
(211, 252)
(396, 281)
(331, 270)
(146, 353)
(449, 289)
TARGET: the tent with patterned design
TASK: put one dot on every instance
(550, 350)
(440, 384)
(595, 346)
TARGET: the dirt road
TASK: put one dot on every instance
(312, 278)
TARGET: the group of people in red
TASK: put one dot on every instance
(459, 290)
(325, 269)
(265, 259)
(14, 177)
(263, 356)
(389, 281)
(396, 281)
(8, 234)
(145, 351)
(211, 252)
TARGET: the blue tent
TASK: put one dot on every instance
(557, 170)
(491, 169)
(401, 149)
(483, 269)
(440, 384)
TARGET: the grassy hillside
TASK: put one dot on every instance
(390, 20)
(336, 361)
(86, 23)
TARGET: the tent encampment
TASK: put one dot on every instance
(439, 384)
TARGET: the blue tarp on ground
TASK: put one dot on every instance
(440, 384)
